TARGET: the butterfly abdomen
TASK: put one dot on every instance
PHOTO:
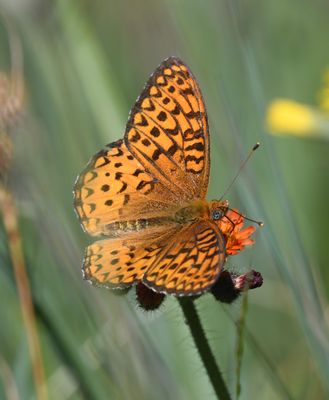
(119, 228)
(192, 212)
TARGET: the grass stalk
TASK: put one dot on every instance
(16, 252)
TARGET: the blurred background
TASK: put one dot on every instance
(84, 63)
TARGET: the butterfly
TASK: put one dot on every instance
(145, 195)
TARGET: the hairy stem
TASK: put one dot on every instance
(193, 321)
(241, 324)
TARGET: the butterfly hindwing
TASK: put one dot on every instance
(119, 263)
(183, 261)
(190, 263)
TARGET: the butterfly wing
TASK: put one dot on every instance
(167, 130)
(115, 187)
(162, 164)
(183, 261)
(191, 261)
(119, 263)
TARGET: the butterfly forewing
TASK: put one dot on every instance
(168, 131)
(115, 187)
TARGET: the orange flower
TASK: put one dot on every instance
(236, 238)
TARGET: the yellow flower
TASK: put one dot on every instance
(289, 117)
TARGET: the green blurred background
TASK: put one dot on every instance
(84, 65)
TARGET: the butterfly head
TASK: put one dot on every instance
(218, 209)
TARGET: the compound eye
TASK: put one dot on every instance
(217, 214)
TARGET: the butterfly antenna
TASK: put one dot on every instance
(259, 223)
(251, 152)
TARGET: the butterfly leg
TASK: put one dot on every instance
(233, 225)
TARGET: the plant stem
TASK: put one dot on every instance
(241, 325)
(15, 247)
(193, 321)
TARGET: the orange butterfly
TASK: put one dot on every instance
(146, 195)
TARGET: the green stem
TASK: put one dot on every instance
(241, 325)
(193, 321)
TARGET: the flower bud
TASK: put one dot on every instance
(147, 298)
(229, 286)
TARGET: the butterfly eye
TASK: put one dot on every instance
(217, 214)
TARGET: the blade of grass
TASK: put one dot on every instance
(9, 386)
(308, 309)
(15, 247)
(272, 372)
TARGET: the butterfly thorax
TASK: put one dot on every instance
(201, 208)
(195, 210)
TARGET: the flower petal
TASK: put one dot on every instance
(237, 238)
